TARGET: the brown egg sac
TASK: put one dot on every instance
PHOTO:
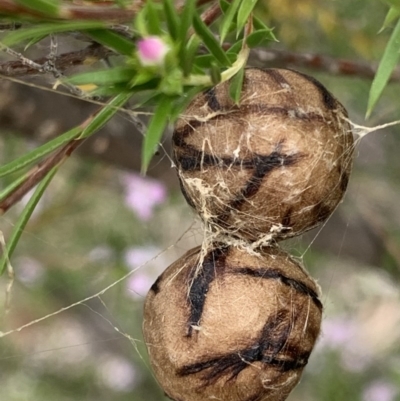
(234, 327)
(274, 166)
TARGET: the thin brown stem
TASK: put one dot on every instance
(200, 3)
(260, 57)
(61, 62)
(67, 11)
(334, 66)
(211, 14)
(38, 173)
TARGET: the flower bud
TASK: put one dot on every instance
(152, 51)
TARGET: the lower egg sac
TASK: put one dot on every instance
(230, 325)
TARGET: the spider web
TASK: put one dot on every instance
(183, 240)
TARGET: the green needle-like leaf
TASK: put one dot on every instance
(106, 77)
(49, 8)
(391, 16)
(260, 37)
(155, 130)
(153, 20)
(24, 218)
(185, 23)
(113, 40)
(183, 101)
(386, 66)
(186, 19)
(235, 48)
(393, 3)
(190, 55)
(224, 4)
(204, 62)
(39, 152)
(244, 12)
(32, 42)
(235, 88)
(172, 19)
(259, 24)
(10, 188)
(95, 123)
(140, 23)
(228, 19)
(105, 114)
(215, 74)
(210, 42)
(21, 35)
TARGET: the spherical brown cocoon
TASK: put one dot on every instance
(231, 326)
(273, 166)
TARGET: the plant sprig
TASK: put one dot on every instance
(165, 83)
(390, 57)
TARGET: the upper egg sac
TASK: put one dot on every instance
(273, 166)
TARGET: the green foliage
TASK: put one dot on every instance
(106, 77)
(194, 59)
(49, 8)
(390, 56)
(259, 38)
(387, 64)
(392, 15)
(227, 21)
(24, 218)
(235, 88)
(393, 3)
(245, 9)
(105, 114)
(156, 128)
(172, 19)
(210, 42)
(44, 29)
(39, 152)
(112, 40)
(85, 208)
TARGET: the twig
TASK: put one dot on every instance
(68, 11)
(334, 66)
(61, 62)
(258, 58)
(202, 2)
(211, 14)
(38, 173)
(9, 26)
(11, 275)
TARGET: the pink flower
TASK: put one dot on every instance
(143, 194)
(117, 373)
(380, 391)
(29, 270)
(140, 282)
(152, 51)
(337, 333)
(341, 334)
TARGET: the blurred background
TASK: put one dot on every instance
(101, 221)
